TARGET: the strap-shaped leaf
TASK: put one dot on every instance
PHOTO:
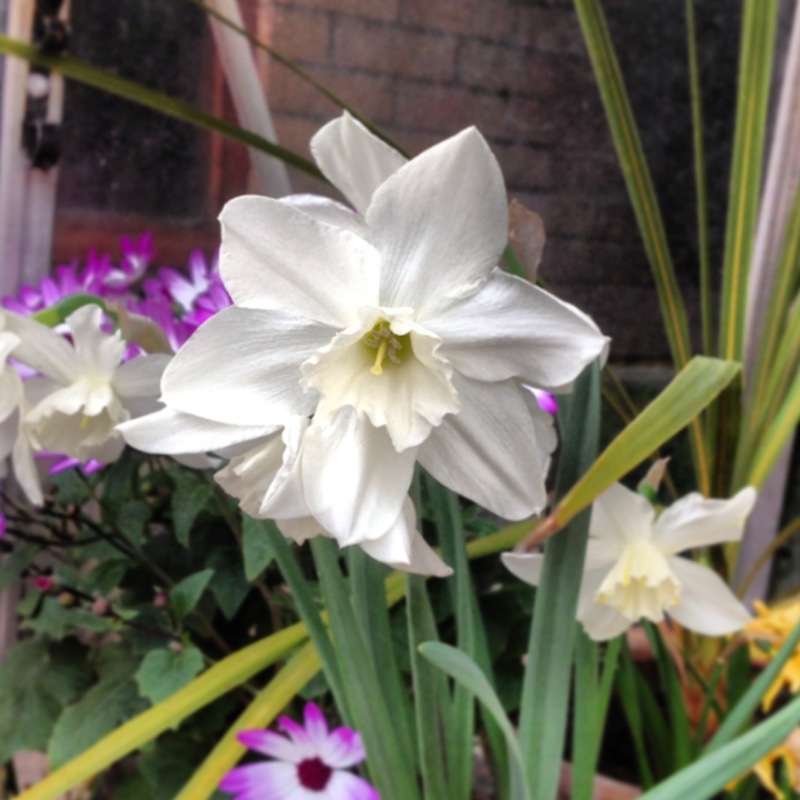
(137, 93)
(685, 397)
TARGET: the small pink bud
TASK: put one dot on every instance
(44, 583)
(161, 600)
(100, 606)
(176, 647)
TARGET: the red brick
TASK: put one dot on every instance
(550, 30)
(445, 110)
(525, 167)
(387, 10)
(381, 48)
(371, 95)
(298, 34)
(489, 20)
(564, 215)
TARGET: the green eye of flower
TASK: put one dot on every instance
(389, 345)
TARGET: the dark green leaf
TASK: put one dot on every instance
(258, 552)
(133, 519)
(163, 672)
(15, 564)
(114, 699)
(57, 621)
(193, 490)
(185, 595)
(228, 585)
(36, 681)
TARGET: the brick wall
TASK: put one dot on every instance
(517, 69)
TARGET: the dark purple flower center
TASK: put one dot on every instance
(314, 774)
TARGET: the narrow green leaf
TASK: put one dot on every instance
(692, 389)
(212, 684)
(303, 74)
(184, 596)
(637, 174)
(367, 580)
(267, 704)
(431, 696)
(743, 711)
(546, 685)
(627, 684)
(130, 90)
(755, 71)
(393, 776)
(466, 672)
(710, 774)
(706, 310)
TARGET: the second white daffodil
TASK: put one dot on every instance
(633, 571)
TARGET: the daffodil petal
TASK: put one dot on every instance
(140, 377)
(402, 547)
(490, 450)
(440, 224)
(345, 142)
(355, 482)
(696, 521)
(601, 622)
(323, 209)
(707, 605)
(511, 328)
(242, 367)
(42, 349)
(620, 516)
(172, 432)
(525, 566)
(275, 256)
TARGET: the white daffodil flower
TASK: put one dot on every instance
(393, 328)
(14, 441)
(633, 570)
(85, 389)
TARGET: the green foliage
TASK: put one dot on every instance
(162, 672)
(112, 700)
(256, 547)
(185, 595)
(38, 680)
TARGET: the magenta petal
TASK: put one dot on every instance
(274, 780)
(343, 748)
(271, 744)
(316, 725)
(347, 786)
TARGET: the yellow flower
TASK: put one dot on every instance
(771, 628)
(789, 754)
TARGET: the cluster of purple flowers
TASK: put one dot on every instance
(179, 302)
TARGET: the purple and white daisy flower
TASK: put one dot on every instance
(311, 764)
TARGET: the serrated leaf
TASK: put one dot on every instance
(192, 492)
(258, 552)
(228, 585)
(184, 596)
(114, 699)
(36, 681)
(117, 483)
(57, 621)
(15, 564)
(106, 575)
(163, 672)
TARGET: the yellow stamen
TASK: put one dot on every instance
(377, 369)
(84, 421)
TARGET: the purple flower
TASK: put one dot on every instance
(136, 257)
(309, 765)
(547, 402)
(186, 289)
